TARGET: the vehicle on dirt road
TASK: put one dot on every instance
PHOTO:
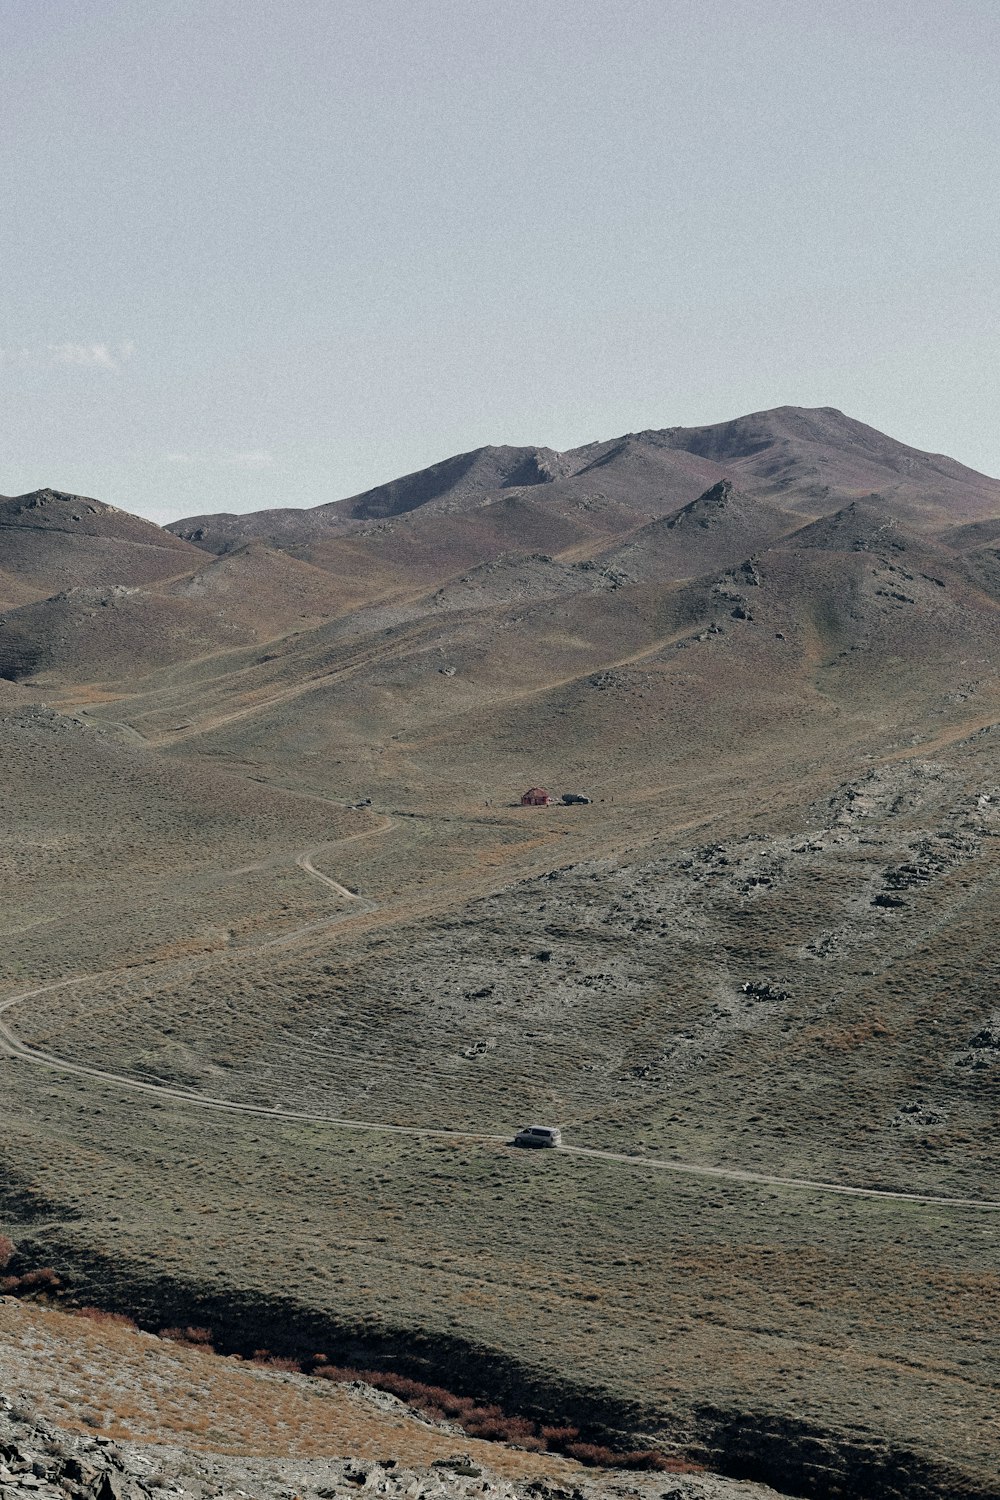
(538, 1135)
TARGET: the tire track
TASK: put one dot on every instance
(12, 1047)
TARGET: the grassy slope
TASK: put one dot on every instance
(755, 795)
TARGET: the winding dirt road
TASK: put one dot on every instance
(13, 1047)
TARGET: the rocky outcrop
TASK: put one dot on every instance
(42, 1462)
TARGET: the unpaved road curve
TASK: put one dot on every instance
(304, 862)
(12, 1046)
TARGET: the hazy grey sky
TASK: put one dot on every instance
(272, 252)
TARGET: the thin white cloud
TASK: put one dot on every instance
(95, 356)
(98, 355)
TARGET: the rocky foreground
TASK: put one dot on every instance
(44, 1462)
(91, 1408)
(40, 1460)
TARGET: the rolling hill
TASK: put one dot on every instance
(50, 540)
(284, 961)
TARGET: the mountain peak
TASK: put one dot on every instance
(707, 507)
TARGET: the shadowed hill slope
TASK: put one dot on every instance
(261, 591)
(97, 633)
(14, 591)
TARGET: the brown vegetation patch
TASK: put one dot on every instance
(96, 1372)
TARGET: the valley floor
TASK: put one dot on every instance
(283, 965)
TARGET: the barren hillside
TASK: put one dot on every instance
(285, 961)
(807, 461)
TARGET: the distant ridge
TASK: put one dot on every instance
(807, 461)
(92, 592)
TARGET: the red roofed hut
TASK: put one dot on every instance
(536, 796)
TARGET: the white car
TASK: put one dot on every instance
(538, 1135)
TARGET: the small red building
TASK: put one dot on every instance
(536, 796)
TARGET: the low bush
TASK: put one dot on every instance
(595, 1455)
(479, 1419)
(199, 1337)
(276, 1361)
(491, 1423)
(99, 1315)
(42, 1280)
(196, 1335)
(7, 1248)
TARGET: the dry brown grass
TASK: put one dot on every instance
(149, 1389)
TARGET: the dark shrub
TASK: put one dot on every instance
(195, 1335)
(42, 1280)
(191, 1334)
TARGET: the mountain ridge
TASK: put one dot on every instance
(807, 460)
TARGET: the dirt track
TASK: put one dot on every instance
(12, 1046)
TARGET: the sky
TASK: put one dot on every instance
(257, 253)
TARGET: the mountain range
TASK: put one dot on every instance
(88, 589)
(284, 961)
